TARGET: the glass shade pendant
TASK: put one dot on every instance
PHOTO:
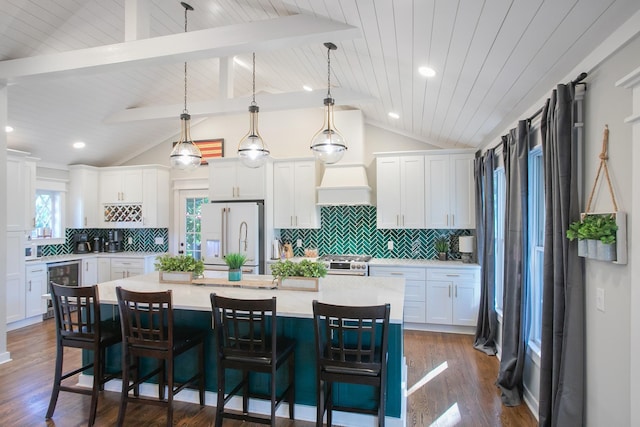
(185, 154)
(252, 150)
(328, 144)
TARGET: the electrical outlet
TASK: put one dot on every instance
(130, 240)
(390, 245)
(299, 243)
(600, 299)
(159, 240)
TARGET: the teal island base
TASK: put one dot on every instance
(301, 329)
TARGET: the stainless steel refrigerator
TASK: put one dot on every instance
(228, 227)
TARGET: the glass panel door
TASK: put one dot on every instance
(191, 202)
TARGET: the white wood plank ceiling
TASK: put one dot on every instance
(493, 58)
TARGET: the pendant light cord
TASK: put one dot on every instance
(329, 72)
(186, 9)
(253, 102)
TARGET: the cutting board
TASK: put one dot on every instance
(259, 284)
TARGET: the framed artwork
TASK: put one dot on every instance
(210, 148)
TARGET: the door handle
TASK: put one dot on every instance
(449, 286)
(456, 290)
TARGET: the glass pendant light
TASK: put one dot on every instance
(328, 145)
(185, 154)
(252, 150)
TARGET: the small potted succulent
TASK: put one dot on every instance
(235, 261)
(304, 275)
(178, 268)
(442, 247)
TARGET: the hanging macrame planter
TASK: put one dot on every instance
(601, 235)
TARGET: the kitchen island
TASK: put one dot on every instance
(295, 320)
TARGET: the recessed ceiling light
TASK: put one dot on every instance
(427, 71)
(307, 88)
(79, 144)
(8, 129)
(394, 115)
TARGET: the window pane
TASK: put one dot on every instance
(193, 225)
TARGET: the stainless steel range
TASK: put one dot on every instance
(354, 265)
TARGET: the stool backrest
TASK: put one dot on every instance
(147, 320)
(77, 312)
(244, 328)
(351, 336)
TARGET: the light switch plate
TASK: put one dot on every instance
(130, 241)
(600, 299)
(299, 243)
(158, 240)
(390, 245)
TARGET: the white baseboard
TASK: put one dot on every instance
(5, 357)
(531, 402)
(24, 322)
(259, 406)
(432, 327)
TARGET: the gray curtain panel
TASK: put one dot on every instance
(487, 325)
(561, 401)
(516, 160)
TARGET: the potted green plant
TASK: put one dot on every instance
(598, 232)
(178, 268)
(303, 275)
(235, 261)
(442, 247)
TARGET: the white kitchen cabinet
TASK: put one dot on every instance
(449, 191)
(400, 183)
(453, 296)
(120, 185)
(21, 177)
(229, 179)
(83, 203)
(89, 274)
(15, 278)
(155, 198)
(123, 267)
(36, 286)
(104, 269)
(414, 290)
(294, 190)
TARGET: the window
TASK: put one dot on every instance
(192, 226)
(536, 245)
(499, 194)
(48, 212)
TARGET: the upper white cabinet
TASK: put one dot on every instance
(400, 182)
(21, 177)
(229, 179)
(449, 191)
(121, 185)
(155, 198)
(294, 194)
(83, 197)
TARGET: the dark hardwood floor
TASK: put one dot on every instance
(462, 394)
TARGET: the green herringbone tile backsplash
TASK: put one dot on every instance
(142, 240)
(352, 230)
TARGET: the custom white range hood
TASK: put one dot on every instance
(344, 184)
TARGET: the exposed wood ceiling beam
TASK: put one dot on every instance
(267, 102)
(272, 34)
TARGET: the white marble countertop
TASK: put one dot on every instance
(72, 257)
(339, 290)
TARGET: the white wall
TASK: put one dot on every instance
(4, 354)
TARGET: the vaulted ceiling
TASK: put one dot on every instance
(76, 72)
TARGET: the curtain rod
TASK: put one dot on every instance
(573, 82)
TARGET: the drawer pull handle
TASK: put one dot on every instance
(453, 275)
(396, 274)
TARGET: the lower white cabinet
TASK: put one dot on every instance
(36, 286)
(123, 267)
(14, 280)
(414, 290)
(104, 269)
(89, 274)
(453, 296)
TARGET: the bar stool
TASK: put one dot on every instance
(351, 347)
(78, 325)
(148, 331)
(246, 340)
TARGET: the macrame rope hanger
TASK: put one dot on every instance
(603, 166)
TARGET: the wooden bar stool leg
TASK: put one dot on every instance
(170, 388)
(97, 379)
(125, 386)
(292, 390)
(56, 381)
(201, 368)
(220, 403)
